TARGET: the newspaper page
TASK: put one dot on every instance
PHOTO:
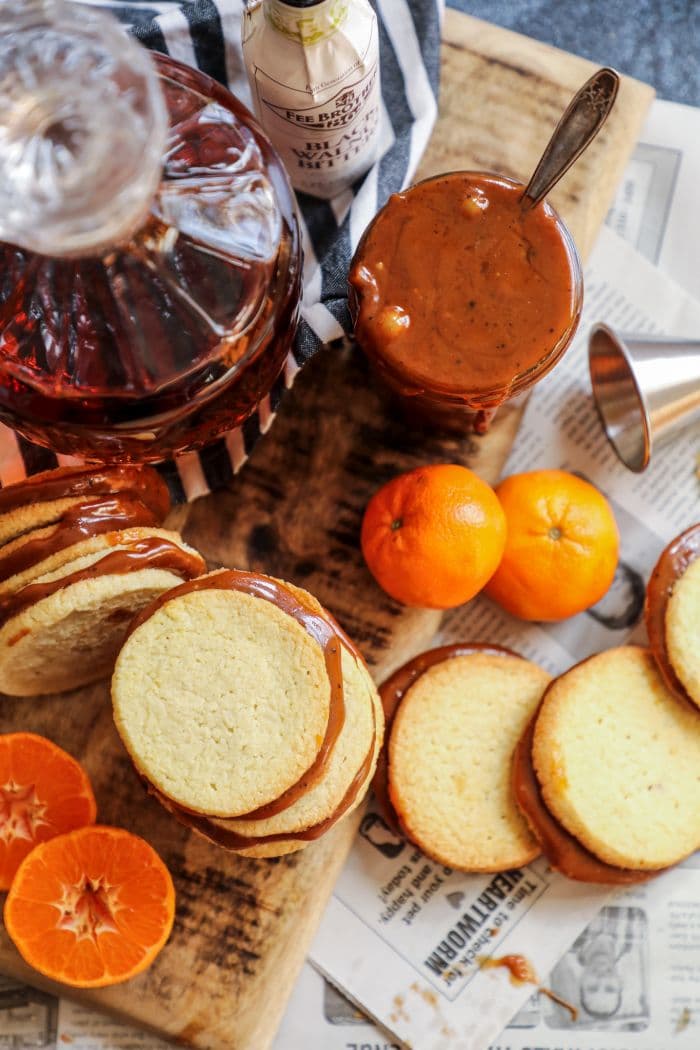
(655, 207)
(657, 204)
(402, 935)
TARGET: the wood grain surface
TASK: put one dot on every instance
(243, 927)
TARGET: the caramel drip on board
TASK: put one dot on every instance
(322, 630)
(392, 692)
(143, 483)
(92, 518)
(680, 553)
(152, 553)
(564, 852)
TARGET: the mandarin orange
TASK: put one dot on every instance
(562, 547)
(43, 792)
(91, 908)
(433, 536)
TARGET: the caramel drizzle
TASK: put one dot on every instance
(675, 559)
(563, 851)
(151, 553)
(229, 839)
(143, 483)
(392, 693)
(80, 522)
(322, 630)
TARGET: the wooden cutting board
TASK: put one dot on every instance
(243, 927)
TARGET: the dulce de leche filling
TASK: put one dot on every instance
(154, 552)
(143, 483)
(564, 852)
(392, 693)
(674, 560)
(95, 517)
(456, 288)
(331, 639)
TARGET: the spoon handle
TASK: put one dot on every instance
(583, 119)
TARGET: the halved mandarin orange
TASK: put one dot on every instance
(91, 908)
(43, 792)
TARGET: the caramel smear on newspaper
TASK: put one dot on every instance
(522, 971)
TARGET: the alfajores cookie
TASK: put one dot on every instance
(49, 498)
(273, 737)
(62, 625)
(616, 757)
(449, 755)
(673, 614)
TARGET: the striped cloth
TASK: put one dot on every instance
(206, 34)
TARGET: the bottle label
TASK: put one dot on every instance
(326, 142)
(319, 104)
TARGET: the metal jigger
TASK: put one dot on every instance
(646, 388)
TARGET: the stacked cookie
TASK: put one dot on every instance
(673, 615)
(607, 773)
(80, 553)
(456, 714)
(260, 725)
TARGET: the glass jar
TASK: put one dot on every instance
(150, 263)
(462, 300)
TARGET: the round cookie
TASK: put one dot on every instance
(363, 724)
(237, 703)
(450, 749)
(17, 522)
(279, 847)
(617, 758)
(682, 625)
(50, 642)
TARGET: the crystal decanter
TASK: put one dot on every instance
(150, 258)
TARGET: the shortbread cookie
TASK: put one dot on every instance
(43, 499)
(64, 627)
(277, 844)
(564, 852)
(674, 636)
(362, 724)
(238, 702)
(85, 483)
(683, 630)
(450, 749)
(617, 758)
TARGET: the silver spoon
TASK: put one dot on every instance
(583, 119)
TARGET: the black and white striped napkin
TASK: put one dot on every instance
(206, 34)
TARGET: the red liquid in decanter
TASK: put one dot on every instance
(165, 342)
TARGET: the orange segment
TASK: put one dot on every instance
(91, 908)
(43, 792)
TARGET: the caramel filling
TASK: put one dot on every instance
(322, 629)
(143, 483)
(674, 561)
(93, 518)
(564, 852)
(152, 553)
(392, 693)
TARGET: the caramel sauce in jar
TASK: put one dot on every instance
(462, 299)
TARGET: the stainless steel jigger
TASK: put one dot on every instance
(646, 388)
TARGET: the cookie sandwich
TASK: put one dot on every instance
(672, 613)
(260, 724)
(455, 714)
(606, 774)
(81, 552)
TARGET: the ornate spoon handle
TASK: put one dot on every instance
(583, 119)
